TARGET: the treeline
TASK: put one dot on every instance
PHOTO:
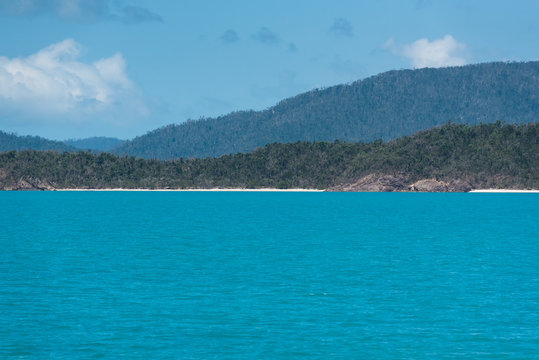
(492, 155)
(385, 106)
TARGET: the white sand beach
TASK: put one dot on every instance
(503, 191)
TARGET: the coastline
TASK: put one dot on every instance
(201, 190)
(477, 191)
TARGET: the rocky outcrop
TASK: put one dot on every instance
(429, 185)
(401, 183)
(375, 183)
(29, 183)
(458, 185)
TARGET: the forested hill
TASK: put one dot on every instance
(448, 158)
(96, 143)
(385, 106)
(15, 142)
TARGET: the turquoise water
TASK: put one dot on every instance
(268, 275)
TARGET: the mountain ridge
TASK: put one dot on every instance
(95, 143)
(10, 141)
(385, 106)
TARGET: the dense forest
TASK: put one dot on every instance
(459, 156)
(96, 143)
(15, 142)
(386, 106)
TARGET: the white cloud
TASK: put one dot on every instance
(437, 53)
(54, 81)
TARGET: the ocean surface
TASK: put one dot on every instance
(189, 275)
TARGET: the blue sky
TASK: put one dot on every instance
(79, 68)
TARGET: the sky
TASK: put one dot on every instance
(121, 68)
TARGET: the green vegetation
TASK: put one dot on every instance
(96, 143)
(386, 106)
(492, 155)
(14, 142)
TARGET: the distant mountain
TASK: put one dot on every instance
(15, 142)
(97, 143)
(385, 106)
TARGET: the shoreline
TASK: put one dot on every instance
(200, 190)
(476, 191)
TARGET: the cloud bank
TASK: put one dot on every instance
(79, 10)
(54, 82)
(437, 53)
